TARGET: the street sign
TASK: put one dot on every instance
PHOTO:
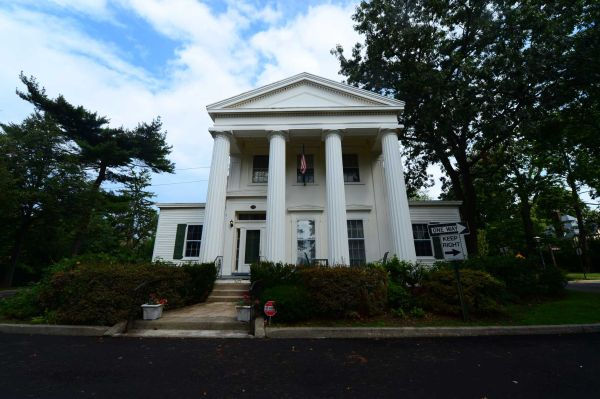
(452, 247)
(442, 229)
(270, 308)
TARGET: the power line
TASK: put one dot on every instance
(197, 167)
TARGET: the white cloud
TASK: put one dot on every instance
(215, 59)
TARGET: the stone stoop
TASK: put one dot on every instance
(228, 291)
(215, 318)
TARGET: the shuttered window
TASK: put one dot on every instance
(193, 241)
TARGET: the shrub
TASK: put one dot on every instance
(340, 291)
(407, 274)
(482, 293)
(103, 293)
(23, 305)
(291, 301)
(399, 297)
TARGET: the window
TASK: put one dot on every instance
(422, 240)
(309, 176)
(252, 216)
(260, 169)
(305, 236)
(356, 242)
(350, 163)
(192, 241)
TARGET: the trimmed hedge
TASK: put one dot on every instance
(331, 291)
(104, 293)
(483, 294)
(292, 302)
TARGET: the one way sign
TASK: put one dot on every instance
(452, 247)
(440, 229)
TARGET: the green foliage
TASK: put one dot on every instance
(103, 292)
(291, 301)
(399, 297)
(523, 278)
(333, 291)
(483, 294)
(406, 274)
(337, 291)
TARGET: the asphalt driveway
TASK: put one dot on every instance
(585, 285)
(482, 367)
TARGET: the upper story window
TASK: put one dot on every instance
(193, 240)
(350, 162)
(309, 175)
(260, 169)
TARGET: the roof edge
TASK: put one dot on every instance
(180, 204)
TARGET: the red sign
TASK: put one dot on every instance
(270, 308)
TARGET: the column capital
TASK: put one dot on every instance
(228, 134)
(388, 130)
(327, 132)
(283, 133)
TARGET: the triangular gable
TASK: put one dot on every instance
(305, 91)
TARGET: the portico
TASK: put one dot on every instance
(258, 138)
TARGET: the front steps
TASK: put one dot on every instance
(215, 318)
(228, 291)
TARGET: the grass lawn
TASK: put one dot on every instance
(573, 308)
(579, 276)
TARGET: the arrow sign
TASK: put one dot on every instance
(452, 247)
(441, 229)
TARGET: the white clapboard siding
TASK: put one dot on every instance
(168, 219)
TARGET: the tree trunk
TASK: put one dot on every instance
(583, 243)
(84, 224)
(525, 210)
(16, 250)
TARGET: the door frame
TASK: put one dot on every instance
(245, 225)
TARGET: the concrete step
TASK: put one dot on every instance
(223, 298)
(244, 287)
(203, 323)
(224, 291)
(187, 334)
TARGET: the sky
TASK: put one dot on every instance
(134, 60)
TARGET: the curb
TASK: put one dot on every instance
(50, 329)
(420, 332)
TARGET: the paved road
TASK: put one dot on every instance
(583, 285)
(485, 367)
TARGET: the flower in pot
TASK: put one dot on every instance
(154, 307)
(244, 309)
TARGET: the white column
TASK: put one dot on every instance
(337, 228)
(214, 213)
(401, 238)
(275, 227)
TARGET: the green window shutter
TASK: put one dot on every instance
(179, 241)
(437, 248)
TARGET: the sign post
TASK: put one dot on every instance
(450, 235)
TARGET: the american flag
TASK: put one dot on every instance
(302, 163)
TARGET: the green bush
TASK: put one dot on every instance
(523, 278)
(399, 297)
(103, 293)
(291, 302)
(341, 291)
(23, 305)
(269, 274)
(483, 294)
(407, 274)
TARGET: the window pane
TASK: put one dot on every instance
(357, 252)
(423, 248)
(194, 232)
(260, 169)
(192, 248)
(350, 163)
(355, 229)
(305, 229)
(420, 231)
(252, 216)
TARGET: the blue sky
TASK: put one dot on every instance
(133, 60)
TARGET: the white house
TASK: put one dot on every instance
(348, 207)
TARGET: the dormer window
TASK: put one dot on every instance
(260, 169)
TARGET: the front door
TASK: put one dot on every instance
(248, 248)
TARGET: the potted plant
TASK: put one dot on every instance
(154, 308)
(244, 309)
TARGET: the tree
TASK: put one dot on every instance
(471, 73)
(39, 172)
(109, 152)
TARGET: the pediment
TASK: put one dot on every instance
(305, 91)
